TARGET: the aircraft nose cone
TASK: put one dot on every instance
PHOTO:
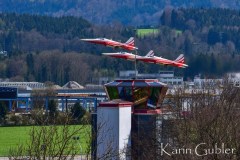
(85, 39)
(106, 53)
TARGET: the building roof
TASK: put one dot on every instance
(72, 85)
(23, 85)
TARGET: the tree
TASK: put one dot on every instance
(41, 105)
(30, 65)
(77, 112)
(213, 37)
(211, 117)
(37, 99)
(53, 110)
(3, 112)
(188, 46)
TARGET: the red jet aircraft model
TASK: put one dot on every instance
(150, 58)
(129, 45)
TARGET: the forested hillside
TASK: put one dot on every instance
(29, 32)
(42, 48)
(133, 12)
(212, 42)
(221, 25)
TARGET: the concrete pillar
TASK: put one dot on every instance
(10, 105)
(94, 135)
(114, 130)
(145, 134)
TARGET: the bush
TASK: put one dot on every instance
(14, 120)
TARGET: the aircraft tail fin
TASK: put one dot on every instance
(130, 41)
(150, 54)
(180, 59)
(181, 62)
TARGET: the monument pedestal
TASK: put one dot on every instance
(145, 134)
(129, 120)
(114, 129)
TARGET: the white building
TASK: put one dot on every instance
(167, 77)
(127, 74)
(201, 83)
(234, 78)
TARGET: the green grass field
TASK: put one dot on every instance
(11, 137)
(178, 32)
(147, 32)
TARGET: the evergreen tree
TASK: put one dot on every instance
(77, 112)
(30, 65)
(213, 37)
(3, 112)
(53, 112)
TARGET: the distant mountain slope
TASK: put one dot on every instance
(45, 48)
(131, 12)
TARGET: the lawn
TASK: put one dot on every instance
(178, 32)
(11, 137)
(147, 32)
